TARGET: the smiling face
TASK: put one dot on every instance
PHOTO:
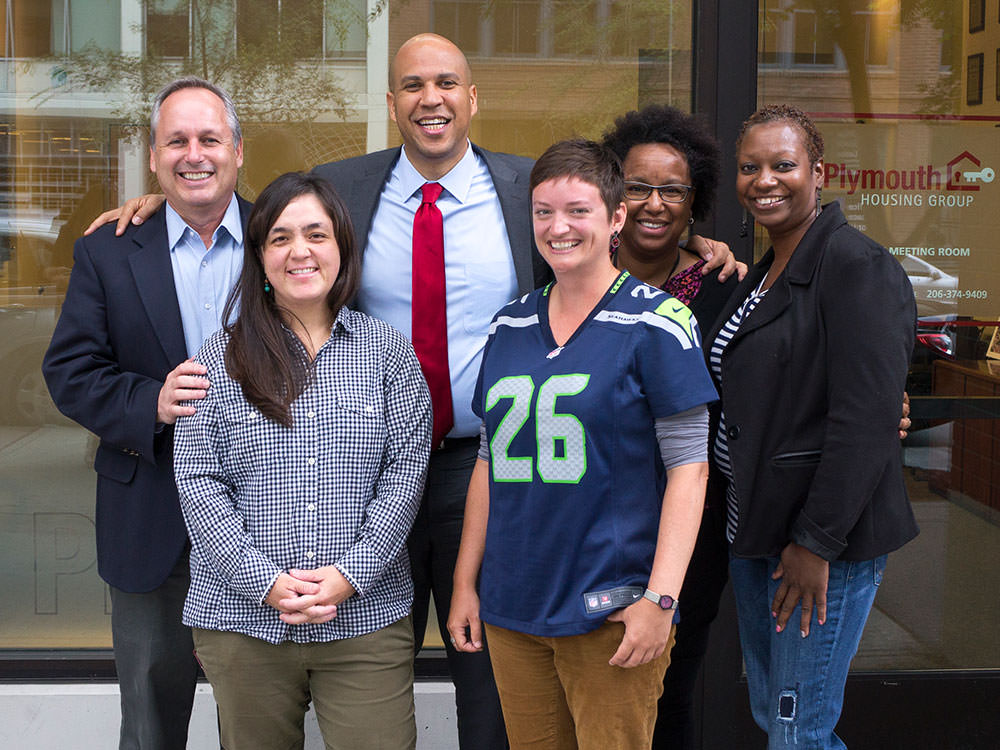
(432, 101)
(301, 257)
(775, 181)
(194, 157)
(653, 227)
(572, 227)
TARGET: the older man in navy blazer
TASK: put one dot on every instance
(137, 308)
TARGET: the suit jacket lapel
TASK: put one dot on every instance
(366, 189)
(773, 304)
(515, 202)
(800, 270)
(154, 278)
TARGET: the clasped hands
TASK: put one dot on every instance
(309, 596)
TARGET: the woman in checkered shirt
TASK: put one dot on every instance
(300, 475)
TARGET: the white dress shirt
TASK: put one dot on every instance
(479, 268)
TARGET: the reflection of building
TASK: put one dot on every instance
(980, 35)
(853, 57)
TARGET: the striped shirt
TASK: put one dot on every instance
(340, 487)
(721, 448)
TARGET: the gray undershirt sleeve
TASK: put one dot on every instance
(484, 446)
(683, 437)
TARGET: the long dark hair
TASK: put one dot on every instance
(268, 361)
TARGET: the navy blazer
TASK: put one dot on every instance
(118, 337)
(359, 182)
(812, 386)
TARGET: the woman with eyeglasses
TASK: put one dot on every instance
(671, 167)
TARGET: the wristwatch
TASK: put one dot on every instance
(663, 602)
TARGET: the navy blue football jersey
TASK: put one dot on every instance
(576, 478)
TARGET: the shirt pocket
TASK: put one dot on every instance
(249, 438)
(359, 428)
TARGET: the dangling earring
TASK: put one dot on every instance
(616, 242)
(267, 286)
(819, 201)
(745, 224)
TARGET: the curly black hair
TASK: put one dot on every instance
(687, 133)
(813, 139)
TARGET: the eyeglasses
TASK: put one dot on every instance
(639, 191)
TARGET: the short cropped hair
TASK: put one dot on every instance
(586, 160)
(812, 139)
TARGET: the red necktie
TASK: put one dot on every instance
(430, 320)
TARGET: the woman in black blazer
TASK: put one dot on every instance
(810, 356)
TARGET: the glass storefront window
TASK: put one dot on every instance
(912, 155)
(308, 76)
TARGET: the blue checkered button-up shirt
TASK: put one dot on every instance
(340, 487)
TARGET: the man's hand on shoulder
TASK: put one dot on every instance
(716, 254)
(134, 210)
(186, 382)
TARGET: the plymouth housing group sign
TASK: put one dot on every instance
(927, 188)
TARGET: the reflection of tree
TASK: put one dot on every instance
(854, 26)
(598, 55)
(256, 56)
(942, 94)
(847, 24)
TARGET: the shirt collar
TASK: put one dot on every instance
(230, 221)
(458, 180)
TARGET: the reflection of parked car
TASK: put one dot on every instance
(933, 288)
(31, 285)
(27, 319)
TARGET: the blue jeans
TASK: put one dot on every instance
(796, 684)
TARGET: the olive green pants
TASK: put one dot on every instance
(362, 689)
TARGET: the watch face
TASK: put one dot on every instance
(666, 602)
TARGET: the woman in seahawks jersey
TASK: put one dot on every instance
(593, 394)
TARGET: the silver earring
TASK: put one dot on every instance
(690, 220)
(819, 201)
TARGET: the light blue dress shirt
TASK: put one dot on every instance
(479, 268)
(203, 278)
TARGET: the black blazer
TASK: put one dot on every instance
(118, 336)
(359, 182)
(812, 385)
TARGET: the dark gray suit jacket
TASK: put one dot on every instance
(359, 182)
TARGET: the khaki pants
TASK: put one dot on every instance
(561, 693)
(362, 689)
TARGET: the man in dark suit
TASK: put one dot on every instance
(137, 308)
(489, 258)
